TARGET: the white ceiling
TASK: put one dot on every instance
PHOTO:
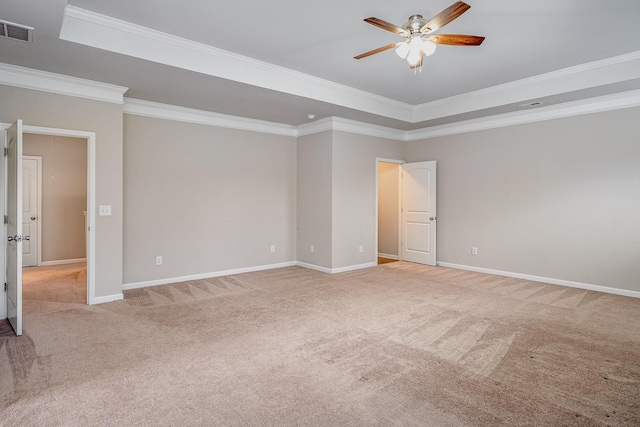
(283, 59)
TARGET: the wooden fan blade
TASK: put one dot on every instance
(387, 26)
(456, 39)
(444, 17)
(378, 50)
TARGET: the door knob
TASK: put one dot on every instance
(33, 218)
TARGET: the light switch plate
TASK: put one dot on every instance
(104, 210)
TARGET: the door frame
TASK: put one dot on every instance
(90, 137)
(399, 163)
(38, 159)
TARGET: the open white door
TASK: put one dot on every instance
(418, 238)
(13, 178)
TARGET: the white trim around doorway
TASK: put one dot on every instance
(90, 137)
(398, 162)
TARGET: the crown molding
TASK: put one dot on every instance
(350, 126)
(12, 75)
(592, 105)
(568, 109)
(103, 32)
(318, 126)
(592, 74)
(28, 78)
(157, 110)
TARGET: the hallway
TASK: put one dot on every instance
(53, 288)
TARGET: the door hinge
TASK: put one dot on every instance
(5, 286)
(6, 151)
(6, 219)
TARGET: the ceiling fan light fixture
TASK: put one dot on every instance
(418, 41)
(414, 58)
(428, 47)
(415, 51)
(403, 50)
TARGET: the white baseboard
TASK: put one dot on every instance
(589, 287)
(381, 255)
(105, 299)
(354, 267)
(313, 267)
(335, 270)
(62, 261)
(136, 285)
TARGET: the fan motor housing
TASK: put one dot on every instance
(414, 23)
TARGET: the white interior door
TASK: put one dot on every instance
(30, 209)
(418, 238)
(13, 178)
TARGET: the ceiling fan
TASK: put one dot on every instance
(418, 43)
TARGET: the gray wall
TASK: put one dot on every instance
(206, 199)
(557, 199)
(105, 119)
(314, 199)
(64, 194)
(355, 172)
(388, 208)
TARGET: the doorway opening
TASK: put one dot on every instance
(54, 208)
(406, 211)
(89, 140)
(388, 210)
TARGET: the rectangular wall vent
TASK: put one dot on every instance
(16, 31)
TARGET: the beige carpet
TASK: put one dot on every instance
(53, 288)
(397, 344)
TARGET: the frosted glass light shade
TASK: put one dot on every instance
(416, 43)
(428, 48)
(403, 50)
(414, 58)
(415, 51)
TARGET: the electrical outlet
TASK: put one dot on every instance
(474, 251)
(273, 248)
(158, 260)
(312, 249)
(361, 248)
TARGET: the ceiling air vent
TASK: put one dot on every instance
(16, 31)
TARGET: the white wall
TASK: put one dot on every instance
(206, 199)
(388, 208)
(557, 199)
